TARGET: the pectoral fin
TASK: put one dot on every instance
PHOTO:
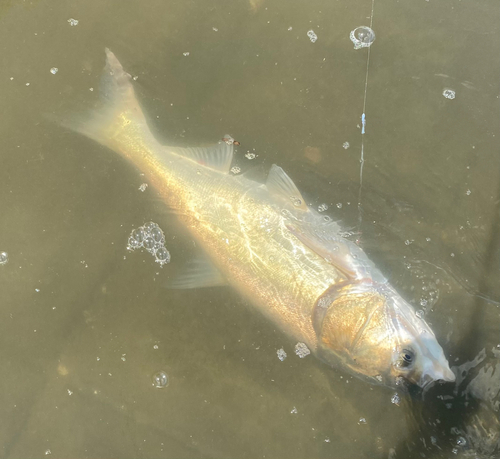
(346, 256)
(333, 249)
(198, 273)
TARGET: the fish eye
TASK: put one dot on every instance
(407, 358)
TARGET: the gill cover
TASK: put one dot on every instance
(375, 334)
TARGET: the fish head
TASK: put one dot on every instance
(375, 334)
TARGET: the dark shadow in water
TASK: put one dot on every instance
(462, 420)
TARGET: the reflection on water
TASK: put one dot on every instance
(88, 327)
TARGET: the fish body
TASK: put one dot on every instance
(289, 261)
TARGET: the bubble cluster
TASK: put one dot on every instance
(312, 36)
(362, 37)
(235, 170)
(396, 399)
(160, 380)
(228, 139)
(4, 258)
(151, 238)
(73, 22)
(345, 145)
(302, 350)
(449, 94)
(281, 354)
(322, 207)
(54, 70)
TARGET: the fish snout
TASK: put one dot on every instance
(436, 372)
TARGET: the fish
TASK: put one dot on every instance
(288, 261)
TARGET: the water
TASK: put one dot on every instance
(75, 301)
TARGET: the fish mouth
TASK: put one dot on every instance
(434, 374)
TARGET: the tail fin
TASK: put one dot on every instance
(118, 118)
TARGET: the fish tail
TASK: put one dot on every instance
(118, 120)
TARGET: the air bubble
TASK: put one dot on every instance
(322, 207)
(162, 256)
(54, 70)
(327, 219)
(339, 205)
(4, 258)
(160, 380)
(296, 201)
(133, 243)
(362, 37)
(157, 234)
(149, 226)
(461, 441)
(149, 243)
(138, 235)
(346, 145)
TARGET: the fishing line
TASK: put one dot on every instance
(363, 125)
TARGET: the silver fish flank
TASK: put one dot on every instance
(282, 256)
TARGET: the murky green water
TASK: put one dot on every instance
(86, 324)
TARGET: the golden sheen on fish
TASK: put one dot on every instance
(291, 263)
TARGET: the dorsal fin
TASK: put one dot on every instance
(280, 185)
(217, 157)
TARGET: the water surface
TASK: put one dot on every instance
(86, 324)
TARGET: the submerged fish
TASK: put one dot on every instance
(289, 261)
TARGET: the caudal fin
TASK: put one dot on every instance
(118, 119)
